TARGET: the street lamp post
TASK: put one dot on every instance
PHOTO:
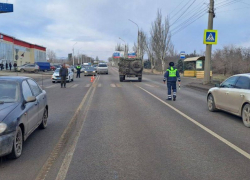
(74, 55)
(138, 36)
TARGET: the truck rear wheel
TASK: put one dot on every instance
(139, 79)
(121, 78)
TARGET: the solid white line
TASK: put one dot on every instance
(149, 85)
(236, 148)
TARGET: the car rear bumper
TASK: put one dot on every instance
(102, 71)
(89, 73)
(6, 143)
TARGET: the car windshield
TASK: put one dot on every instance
(89, 68)
(57, 70)
(9, 91)
(102, 65)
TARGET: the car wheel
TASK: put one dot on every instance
(246, 115)
(139, 79)
(53, 81)
(72, 79)
(22, 70)
(210, 103)
(17, 144)
(43, 124)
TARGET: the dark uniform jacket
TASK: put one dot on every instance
(63, 71)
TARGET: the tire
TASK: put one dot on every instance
(139, 79)
(124, 78)
(36, 71)
(121, 78)
(246, 115)
(53, 81)
(44, 122)
(22, 71)
(72, 79)
(17, 144)
(210, 103)
(136, 66)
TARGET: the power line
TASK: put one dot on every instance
(174, 33)
(176, 8)
(181, 8)
(232, 10)
(183, 13)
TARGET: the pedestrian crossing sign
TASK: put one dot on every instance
(210, 37)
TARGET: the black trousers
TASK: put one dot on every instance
(78, 74)
(63, 81)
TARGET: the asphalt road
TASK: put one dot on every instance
(113, 130)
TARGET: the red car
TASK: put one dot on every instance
(53, 68)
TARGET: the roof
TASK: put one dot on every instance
(194, 59)
(14, 78)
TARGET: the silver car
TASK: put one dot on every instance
(56, 78)
(28, 68)
(102, 68)
(233, 96)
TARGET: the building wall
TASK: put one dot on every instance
(14, 50)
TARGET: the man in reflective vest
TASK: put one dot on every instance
(78, 71)
(171, 75)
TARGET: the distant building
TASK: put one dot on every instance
(16, 50)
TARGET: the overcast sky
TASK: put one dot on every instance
(96, 25)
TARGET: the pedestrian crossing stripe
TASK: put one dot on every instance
(210, 37)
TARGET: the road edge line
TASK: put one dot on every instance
(236, 148)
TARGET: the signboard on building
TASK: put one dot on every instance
(6, 8)
(131, 54)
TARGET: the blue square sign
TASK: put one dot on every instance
(210, 37)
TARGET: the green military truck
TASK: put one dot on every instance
(130, 67)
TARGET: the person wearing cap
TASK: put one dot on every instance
(171, 75)
(78, 70)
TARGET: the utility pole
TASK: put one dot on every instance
(138, 36)
(74, 55)
(207, 78)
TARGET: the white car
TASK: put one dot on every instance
(102, 68)
(56, 78)
(233, 96)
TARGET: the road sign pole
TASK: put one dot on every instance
(208, 46)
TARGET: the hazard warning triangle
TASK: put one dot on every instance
(210, 37)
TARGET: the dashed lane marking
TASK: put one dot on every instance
(87, 85)
(74, 86)
(54, 85)
(118, 85)
(236, 148)
(112, 85)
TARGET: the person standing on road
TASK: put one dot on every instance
(78, 70)
(6, 66)
(63, 73)
(15, 66)
(1, 66)
(10, 65)
(171, 76)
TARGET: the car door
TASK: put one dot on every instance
(238, 94)
(40, 96)
(31, 108)
(222, 96)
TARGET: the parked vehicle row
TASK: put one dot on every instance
(56, 78)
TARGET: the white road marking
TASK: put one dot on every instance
(87, 85)
(118, 85)
(51, 86)
(149, 85)
(236, 148)
(74, 85)
(112, 85)
(99, 85)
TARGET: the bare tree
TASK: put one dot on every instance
(51, 55)
(150, 52)
(119, 47)
(142, 43)
(161, 38)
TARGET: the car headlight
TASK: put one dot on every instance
(3, 127)
(93, 71)
(85, 71)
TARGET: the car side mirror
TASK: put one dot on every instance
(30, 99)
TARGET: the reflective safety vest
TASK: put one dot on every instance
(172, 72)
(78, 67)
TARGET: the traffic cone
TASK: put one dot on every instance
(91, 79)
